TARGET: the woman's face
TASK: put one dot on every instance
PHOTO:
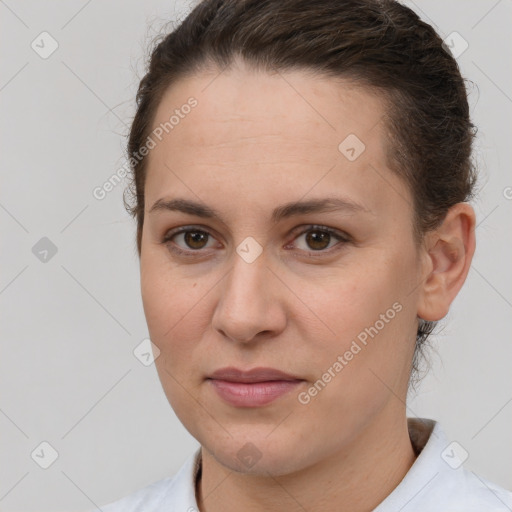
(326, 295)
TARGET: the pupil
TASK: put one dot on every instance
(193, 237)
(314, 238)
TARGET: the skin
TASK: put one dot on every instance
(256, 141)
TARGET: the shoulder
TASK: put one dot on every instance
(460, 487)
(170, 494)
(438, 479)
(478, 493)
(146, 499)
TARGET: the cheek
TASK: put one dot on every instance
(360, 367)
(166, 296)
(171, 314)
(370, 314)
(175, 309)
(356, 298)
(175, 314)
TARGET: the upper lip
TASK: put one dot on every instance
(260, 374)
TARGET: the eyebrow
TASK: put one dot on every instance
(294, 208)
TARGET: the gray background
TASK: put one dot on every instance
(69, 325)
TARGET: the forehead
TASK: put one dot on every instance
(266, 104)
(289, 131)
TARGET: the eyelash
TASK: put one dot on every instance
(343, 239)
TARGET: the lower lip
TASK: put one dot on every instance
(255, 394)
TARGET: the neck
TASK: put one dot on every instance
(356, 478)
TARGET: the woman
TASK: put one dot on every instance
(301, 172)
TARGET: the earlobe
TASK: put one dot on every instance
(449, 251)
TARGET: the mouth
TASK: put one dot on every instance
(252, 388)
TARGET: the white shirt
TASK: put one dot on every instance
(436, 482)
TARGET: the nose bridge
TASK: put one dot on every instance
(246, 305)
(244, 291)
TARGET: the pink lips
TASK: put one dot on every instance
(253, 388)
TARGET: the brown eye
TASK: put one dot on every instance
(195, 239)
(318, 240)
(188, 241)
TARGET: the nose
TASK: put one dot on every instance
(251, 304)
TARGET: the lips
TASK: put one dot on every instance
(231, 374)
(252, 388)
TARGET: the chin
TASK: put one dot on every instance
(257, 454)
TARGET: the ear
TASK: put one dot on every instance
(448, 252)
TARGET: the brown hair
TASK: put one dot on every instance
(378, 43)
